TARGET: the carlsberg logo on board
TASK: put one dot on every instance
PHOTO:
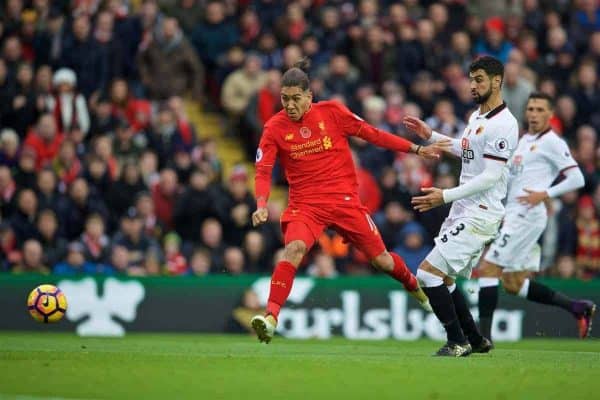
(119, 299)
(396, 320)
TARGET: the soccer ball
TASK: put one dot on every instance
(47, 303)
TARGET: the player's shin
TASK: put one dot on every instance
(402, 274)
(488, 301)
(442, 304)
(464, 316)
(281, 286)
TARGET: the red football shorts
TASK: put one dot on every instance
(352, 221)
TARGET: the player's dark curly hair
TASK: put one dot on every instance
(543, 96)
(492, 66)
(297, 75)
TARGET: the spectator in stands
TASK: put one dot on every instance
(516, 90)
(66, 165)
(81, 204)
(211, 238)
(44, 140)
(48, 194)
(53, 245)
(123, 192)
(255, 253)
(240, 87)
(270, 54)
(262, 106)
(233, 261)
(412, 247)
(9, 147)
(188, 13)
(444, 120)
(96, 244)
(75, 262)
(587, 256)
(32, 259)
(169, 66)
(145, 208)
(25, 173)
(24, 217)
(200, 262)
(10, 252)
(109, 43)
(236, 206)
(127, 147)
(84, 55)
(97, 174)
(124, 105)
(165, 194)
(8, 190)
(368, 189)
(340, 77)
(374, 58)
(587, 95)
(323, 266)
(494, 44)
(68, 106)
(102, 148)
(22, 111)
(145, 256)
(214, 36)
(197, 203)
(175, 262)
(165, 137)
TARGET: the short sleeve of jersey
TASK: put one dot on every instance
(502, 141)
(560, 155)
(351, 123)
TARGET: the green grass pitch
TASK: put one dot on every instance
(160, 366)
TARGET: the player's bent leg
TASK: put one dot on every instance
(478, 343)
(519, 284)
(489, 274)
(281, 286)
(393, 265)
(432, 281)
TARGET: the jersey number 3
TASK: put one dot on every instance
(453, 232)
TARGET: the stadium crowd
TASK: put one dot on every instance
(102, 172)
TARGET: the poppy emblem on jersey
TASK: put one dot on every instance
(259, 154)
(479, 130)
(305, 132)
(533, 147)
(501, 145)
(289, 136)
(464, 143)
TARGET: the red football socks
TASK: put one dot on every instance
(281, 286)
(402, 273)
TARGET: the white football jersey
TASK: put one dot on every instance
(492, 135)
(536, 163)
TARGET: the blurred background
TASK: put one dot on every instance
(128, 128)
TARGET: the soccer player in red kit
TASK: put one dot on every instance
(311, 141)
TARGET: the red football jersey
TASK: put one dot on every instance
(315, 154)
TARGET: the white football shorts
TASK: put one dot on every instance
(460, 243)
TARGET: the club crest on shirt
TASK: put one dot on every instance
(305, 132)
(289, 136)
(479, 130)
(322, 125)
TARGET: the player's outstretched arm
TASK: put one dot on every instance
(433, 150)
(435, 197)
(424, 131)
(265, 160)
(573, 180)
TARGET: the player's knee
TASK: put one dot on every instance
(294, 252)
(511, 284)
(383, 262)
(489, 270)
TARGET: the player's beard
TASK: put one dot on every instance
(480, 99)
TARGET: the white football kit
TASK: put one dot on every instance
(538, 160)
(473, 221)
